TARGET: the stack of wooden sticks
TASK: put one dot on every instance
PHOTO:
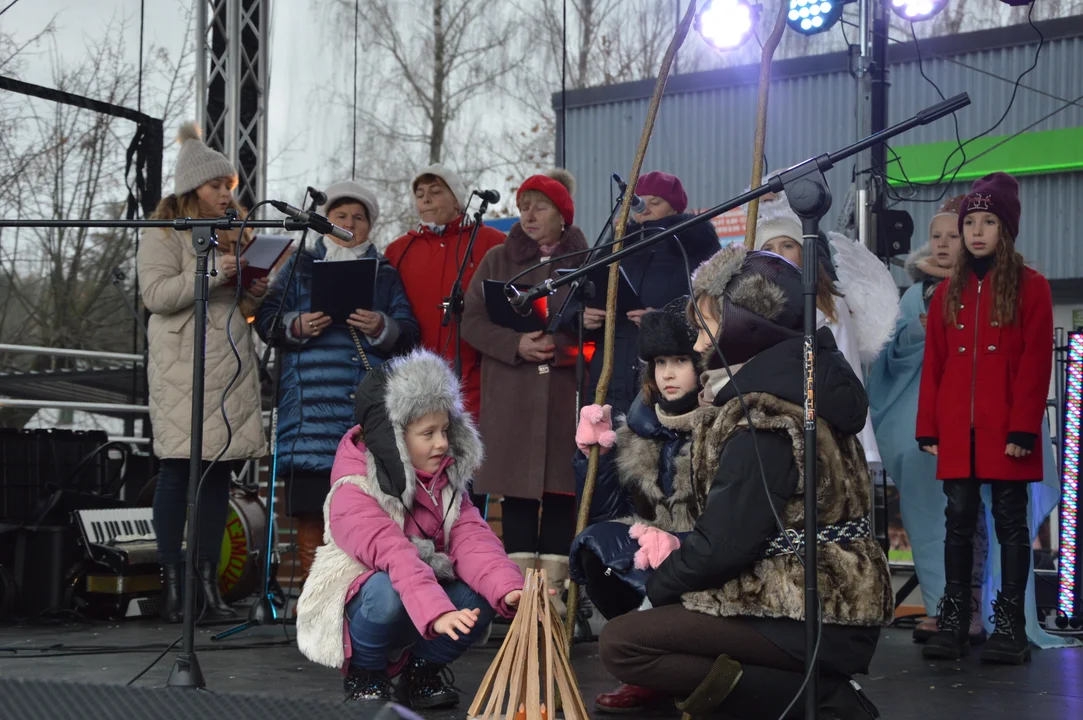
(534, 656)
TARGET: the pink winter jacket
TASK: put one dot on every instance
(362, 529)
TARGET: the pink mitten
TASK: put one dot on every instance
(654, 545)
(595, 427)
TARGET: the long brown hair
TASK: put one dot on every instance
(826, 292)
(172, 207)
(1008, 266)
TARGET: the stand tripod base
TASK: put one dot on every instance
(186, 674)
(263, 612)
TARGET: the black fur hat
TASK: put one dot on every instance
(667, 332)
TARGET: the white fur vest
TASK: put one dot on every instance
(321, 632)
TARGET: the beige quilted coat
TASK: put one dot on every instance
(167, 263)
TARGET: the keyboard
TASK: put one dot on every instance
(120, 537)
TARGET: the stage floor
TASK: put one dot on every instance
(903, 686)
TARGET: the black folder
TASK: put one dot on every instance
(340, 288)
(503, 314)
(627, 297)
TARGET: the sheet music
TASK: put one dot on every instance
(264, 250)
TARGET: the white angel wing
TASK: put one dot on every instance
(870, 292)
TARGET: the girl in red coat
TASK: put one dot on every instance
(988, 359)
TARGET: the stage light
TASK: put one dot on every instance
(726, 24)
(1068, 614)
(809, 17)
(917, 10)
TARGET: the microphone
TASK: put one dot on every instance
(491, 197)
(638, 205)
(518, 300)
(315, 221)
(320, 198)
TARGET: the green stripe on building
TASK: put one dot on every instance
(1032, 153)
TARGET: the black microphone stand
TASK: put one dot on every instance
(264, 611)
(186, 672)
(454, 303)
(809, 196)
(582, 290)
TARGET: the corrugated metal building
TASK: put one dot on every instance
(705, 128)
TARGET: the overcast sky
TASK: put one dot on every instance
(303, 68)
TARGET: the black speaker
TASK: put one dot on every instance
(44, 700)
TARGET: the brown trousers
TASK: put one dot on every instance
(671, 649)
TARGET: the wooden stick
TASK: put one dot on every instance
(533, 673)
(611, 292)
(766, 55)
(487, 682)
(550, 659)
(518, 664)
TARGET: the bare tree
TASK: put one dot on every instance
(62, 161)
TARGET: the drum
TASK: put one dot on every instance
(240, 567)
(240, 570)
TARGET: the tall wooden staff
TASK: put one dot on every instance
(611, 291)
(766, 56)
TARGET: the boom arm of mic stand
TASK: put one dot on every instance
(786, 180)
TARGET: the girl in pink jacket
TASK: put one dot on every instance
(409, 575)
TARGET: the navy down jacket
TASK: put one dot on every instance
(646, 478)
(320, 375)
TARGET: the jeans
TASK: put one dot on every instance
(171, 510)
(380, 625)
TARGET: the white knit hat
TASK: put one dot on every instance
(776, 219)
(451, 179)
(354, 191)
(197, 163)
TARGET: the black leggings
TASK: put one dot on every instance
(1010, 502)
(519, 519)
(171, 511)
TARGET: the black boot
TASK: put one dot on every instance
(426, 685)
(215, 607)
(951, 640)
(172, 609)
(847, 701)
(362, 685)
(1008, 644)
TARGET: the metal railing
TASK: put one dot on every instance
(73, 405)
(66, 352)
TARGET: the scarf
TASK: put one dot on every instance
(713, 381)
(678, 422)
(338, 253)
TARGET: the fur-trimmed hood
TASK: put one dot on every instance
(389, 398)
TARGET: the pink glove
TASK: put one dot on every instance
(654, 545)
(595, 427)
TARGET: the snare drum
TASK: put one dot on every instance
(240, 567)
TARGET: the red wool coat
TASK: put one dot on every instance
(994, 379)
(428, 264)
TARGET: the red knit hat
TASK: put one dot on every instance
(666, 186)
(552, 189)
(996, 193)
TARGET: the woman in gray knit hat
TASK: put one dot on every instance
(203, 187)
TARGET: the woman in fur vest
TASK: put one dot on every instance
(410, 574)
(726, 630)
(644, 478)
